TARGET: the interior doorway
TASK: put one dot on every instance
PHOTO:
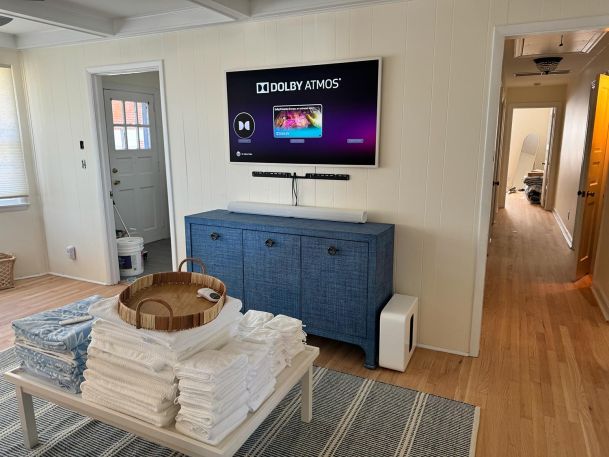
(527, 156)
(134, 165)
(137, 165)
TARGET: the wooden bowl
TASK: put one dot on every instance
(169, 301)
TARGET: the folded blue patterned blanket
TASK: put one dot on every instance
(44, 331)
(48, 362)
(69, 382)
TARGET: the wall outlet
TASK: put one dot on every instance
(71, 251)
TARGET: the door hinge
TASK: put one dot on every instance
(496, 183)
(111, 194)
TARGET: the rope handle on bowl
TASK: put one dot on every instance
(193, 261)
(138, 323)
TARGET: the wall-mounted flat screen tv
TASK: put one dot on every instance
(324, 114)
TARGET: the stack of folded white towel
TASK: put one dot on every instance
(251, 330)
(213, 394)
(282, 334)
(293, 338)
(132, 370)
(260, 379)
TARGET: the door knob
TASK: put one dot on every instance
(116, 182)
(590, 194)
(115, 170)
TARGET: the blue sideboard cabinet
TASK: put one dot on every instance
(335, 276)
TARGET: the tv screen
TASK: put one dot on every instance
(326, 114)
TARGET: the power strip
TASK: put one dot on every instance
(280, 174)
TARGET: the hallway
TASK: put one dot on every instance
(545, 344)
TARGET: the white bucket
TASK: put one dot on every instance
(130, 261)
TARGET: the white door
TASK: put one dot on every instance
(138, 178)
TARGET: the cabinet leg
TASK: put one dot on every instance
(371, 361)
(306, 387)
(26, 415)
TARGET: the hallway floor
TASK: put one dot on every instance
(542, 378)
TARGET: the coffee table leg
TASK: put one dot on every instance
(26, 415)
(306, 386)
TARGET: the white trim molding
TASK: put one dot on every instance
(601, 299)
(563, 228)
(448, 351)
(96, 109)
(77, 278)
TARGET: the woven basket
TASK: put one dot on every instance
(7, 277)
(169, 301)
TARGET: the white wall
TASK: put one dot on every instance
(436, 66)
(21, 230)
(526, 121)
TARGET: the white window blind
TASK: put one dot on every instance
(13, 180)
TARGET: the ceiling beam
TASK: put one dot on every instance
(235, 9)
(59, 14)
(270, 8)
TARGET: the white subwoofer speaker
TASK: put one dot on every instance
(398, 332)
(304, 212)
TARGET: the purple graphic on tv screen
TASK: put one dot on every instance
(318, 114)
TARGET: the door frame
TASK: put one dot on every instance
(553, 154)
(489, 133)
(98, 122)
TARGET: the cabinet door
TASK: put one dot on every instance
(335, 285)
(271, 270)
(221, 250)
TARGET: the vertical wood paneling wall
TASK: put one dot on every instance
(435, 76)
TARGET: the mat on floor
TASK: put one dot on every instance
(351, 417)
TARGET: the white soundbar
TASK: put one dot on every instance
(304, 212)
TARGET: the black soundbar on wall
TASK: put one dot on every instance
(282, 174)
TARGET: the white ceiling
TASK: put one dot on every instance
(547, 45)
(54, 22)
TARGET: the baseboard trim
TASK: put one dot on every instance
(563, 228)
(37, 275)
(79, 279)
(449, 351)
(601, 299)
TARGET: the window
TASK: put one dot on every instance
(131, 124)
(13, 179)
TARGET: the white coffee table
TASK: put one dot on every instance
(27, 386)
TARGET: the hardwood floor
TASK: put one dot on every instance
(542, 378)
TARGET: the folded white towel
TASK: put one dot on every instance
(284, 324)
(101, 397)
(257, 398)
(151, 356)
(131, 375)
(212, 391)
(210, 365)
(100, 356)
(256, 353)
(215, 434)
(196, 405)
(254, 319)
(206, 419)
(142, 391)
(175, 341)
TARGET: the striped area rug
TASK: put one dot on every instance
(352, 417)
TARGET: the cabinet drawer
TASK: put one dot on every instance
(221, 250)
(271, 269)
(335, 285)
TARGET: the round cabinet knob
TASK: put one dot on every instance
(332, 250)
(269, 242)
(214, 236)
